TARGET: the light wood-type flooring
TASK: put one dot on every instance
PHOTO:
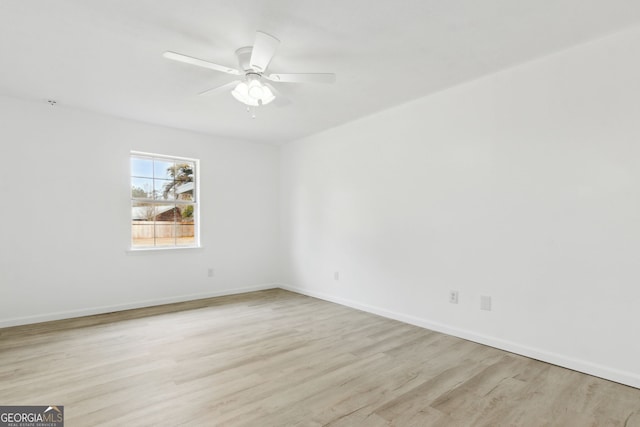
(276, 358)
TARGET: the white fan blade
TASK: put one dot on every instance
(264, 47)
(200, 63)
(228, 86)
(302, 78)
(280, 101)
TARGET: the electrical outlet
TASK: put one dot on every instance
(453, 297)
(210, 272)
(485, 303)
(336, 275)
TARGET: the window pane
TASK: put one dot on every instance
(184, 177)
(141, 188)
(185, 226)
(164, 189)
(142, 211)
(163, 169)
(165, 224)
(184, 190)
(141, 167)
(185, 169)
(142, 231)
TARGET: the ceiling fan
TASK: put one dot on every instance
(252, 89)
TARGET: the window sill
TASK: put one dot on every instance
(140, 251)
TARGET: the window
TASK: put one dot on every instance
(164, 201)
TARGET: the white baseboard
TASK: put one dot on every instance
(606, 372)
(47, 317)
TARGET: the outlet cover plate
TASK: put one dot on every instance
(453, 297)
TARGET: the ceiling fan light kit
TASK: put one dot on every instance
(254, 93)
(254, 61)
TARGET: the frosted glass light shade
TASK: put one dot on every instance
(253, 94)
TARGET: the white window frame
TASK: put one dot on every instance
(195, 202)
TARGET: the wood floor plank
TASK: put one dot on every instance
(276, 358)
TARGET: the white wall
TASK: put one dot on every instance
(523, 186)
(65, 215)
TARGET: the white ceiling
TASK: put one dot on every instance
(105, 55)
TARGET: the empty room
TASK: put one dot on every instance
(328, 213)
